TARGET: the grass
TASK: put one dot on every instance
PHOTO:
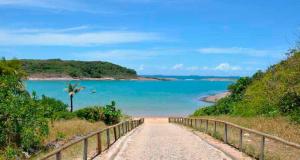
(277, 126)
(71, 128)
(62, 132)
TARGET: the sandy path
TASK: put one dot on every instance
(159, 140)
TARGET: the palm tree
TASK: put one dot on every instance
(72, 90)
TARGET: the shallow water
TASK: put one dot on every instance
(138, 98)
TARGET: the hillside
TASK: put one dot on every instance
(54, 68)
(271, 93)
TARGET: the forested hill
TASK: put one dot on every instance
(53, 68)
(271, 93)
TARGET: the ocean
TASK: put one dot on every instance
(137, 98)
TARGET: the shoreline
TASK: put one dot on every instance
(96, 79)
(215, 97)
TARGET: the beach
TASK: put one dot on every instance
(214, 98)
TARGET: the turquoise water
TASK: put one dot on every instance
(138, 98)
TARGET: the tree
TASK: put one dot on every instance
(72, 90)
(22, 122)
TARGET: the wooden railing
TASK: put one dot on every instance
(213, 127)
(117, 130)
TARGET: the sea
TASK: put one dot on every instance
(178, 97)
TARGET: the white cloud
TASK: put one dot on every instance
(112, 55)
(67, 5)
(193, 68)
(63, 37)
(239, 50)
(177, 66)
(227, 67)
(141, 67)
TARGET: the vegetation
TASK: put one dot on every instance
(111, 114)
(72, 90)
(25, 118)
(93, 114)
(271, 93)
(76, 69)
(278, 126)
(53, 108)
(22, 122)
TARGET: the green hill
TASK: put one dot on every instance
(76, 69)
(270, 93)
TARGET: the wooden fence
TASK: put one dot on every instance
(215, 127)
(118, 130)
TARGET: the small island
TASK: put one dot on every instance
(57, 69)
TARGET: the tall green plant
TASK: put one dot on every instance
(22, 121)
(111, 114)
(73, 89)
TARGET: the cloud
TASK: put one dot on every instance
(112, 55)
(141, 68)
(63, 37)
(193, 68)
(177, 66)
(227, 67)
(220, 67)
(64, 5)
(239, 50)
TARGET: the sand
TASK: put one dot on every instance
(159, 140)
(216, 97)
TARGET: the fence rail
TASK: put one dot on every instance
(119, 130)
(239, 136)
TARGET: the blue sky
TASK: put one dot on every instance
(171, 37)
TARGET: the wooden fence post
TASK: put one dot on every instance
(200, 123)
(99, 149)
(58, 156)
(123, 129)
(107, 137)
(262, 148)
(215, 128)
(225, 133)
(119, 131)
(115, 133)
(85, 149)
(241, 140)
(206, 127)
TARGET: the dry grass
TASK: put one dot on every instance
(67, 129)
(64, 131)
(278, 126)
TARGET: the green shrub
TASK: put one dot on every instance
(111, 114)
(289, 103)
(60, 136)
(240, 85)
(22, 117)
(11, 153)
(290, 106)
(52, 106)
(94, 113)
(65, 115)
